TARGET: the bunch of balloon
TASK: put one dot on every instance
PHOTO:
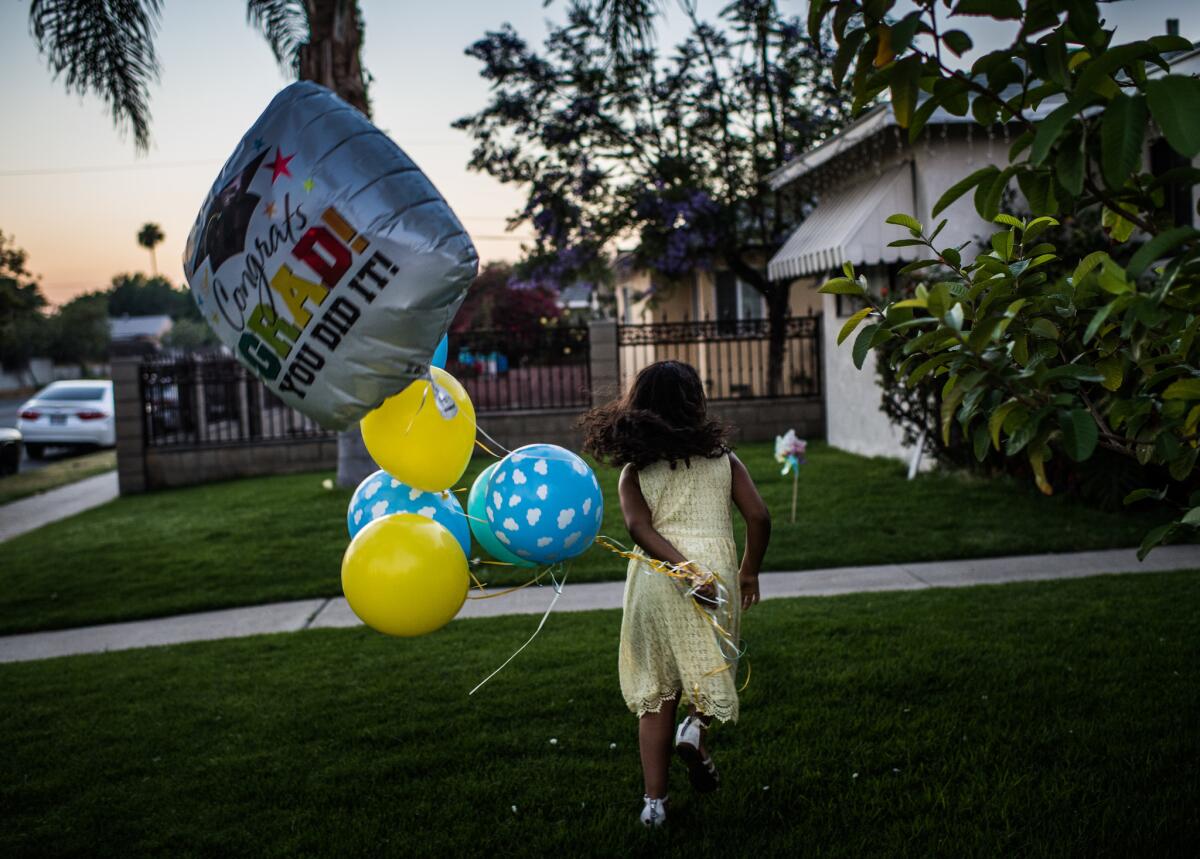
(405, 572)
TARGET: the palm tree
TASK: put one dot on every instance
(149, 236)
(106, 48)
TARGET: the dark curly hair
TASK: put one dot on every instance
(664, 416)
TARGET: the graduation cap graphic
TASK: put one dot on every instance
(228, 218)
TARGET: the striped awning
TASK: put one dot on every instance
(848, 225)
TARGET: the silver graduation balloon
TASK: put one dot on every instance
(325, 259)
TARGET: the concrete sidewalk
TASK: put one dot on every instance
(38, 510)
(335, 613)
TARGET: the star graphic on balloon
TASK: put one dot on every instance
(227, 218)
(308, 184)
(258, 143)
(270, 209)
(279, 167)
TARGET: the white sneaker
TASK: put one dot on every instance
(654, 812)
(702, 772)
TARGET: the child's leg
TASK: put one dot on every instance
(655, 734)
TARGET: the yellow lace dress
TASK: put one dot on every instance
(667, 648)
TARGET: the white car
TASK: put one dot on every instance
(68, 414)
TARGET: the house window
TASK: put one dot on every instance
(1178, 194)
(737, 299)
(626, 305)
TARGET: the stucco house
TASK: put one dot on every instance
(859, 177)
(716, 294)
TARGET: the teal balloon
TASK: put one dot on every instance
(477, 510)
(442, 352)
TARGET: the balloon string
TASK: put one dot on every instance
(485, 434)
(475, 579)
(558, 589)
(535, 580)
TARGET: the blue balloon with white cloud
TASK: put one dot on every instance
(544, 503)
(382, 495)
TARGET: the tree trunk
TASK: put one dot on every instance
(333, 59)
(777, 313)
(777, 295)
(332, 56)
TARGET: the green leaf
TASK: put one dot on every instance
(979, 440)
(1122, 130)
(1080, 433)
(1038, 188)
(902, 220)
(1094, 79)
(906, 76)
(842, 286)
(1009, 221)
(957, 41)
(1158, 247)
(1037, 459)
(1044, 328)
(1154, 537)
(961, 187)
(923, 369)
(1173, 100)
(999, 9)
(1048, 131)
(1183, 389)
(1070, 162)
(1087, 264)
(862, 345)
(1166, 44)
(817, 10)
(950, 404)
(1192, 517)
(996, 421)
(1003, 243)
(1118, 227)
(851, 324)
(1142, 494)
(1038, 226)
(1095, 323)
(845, 53)
(988, 194)
(904, 30)
(1113, 369)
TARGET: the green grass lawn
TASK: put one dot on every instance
(56, 474)
(1050, 719)
(278, 538)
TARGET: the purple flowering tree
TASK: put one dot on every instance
(615, 139)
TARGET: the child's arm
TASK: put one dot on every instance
(758, 530)
(638, 520)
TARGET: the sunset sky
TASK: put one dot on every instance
(73, 192)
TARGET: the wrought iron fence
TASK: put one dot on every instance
(204, 402)
(545, 368)
(732, 356)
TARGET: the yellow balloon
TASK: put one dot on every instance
(412, 441)
(405, 575)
